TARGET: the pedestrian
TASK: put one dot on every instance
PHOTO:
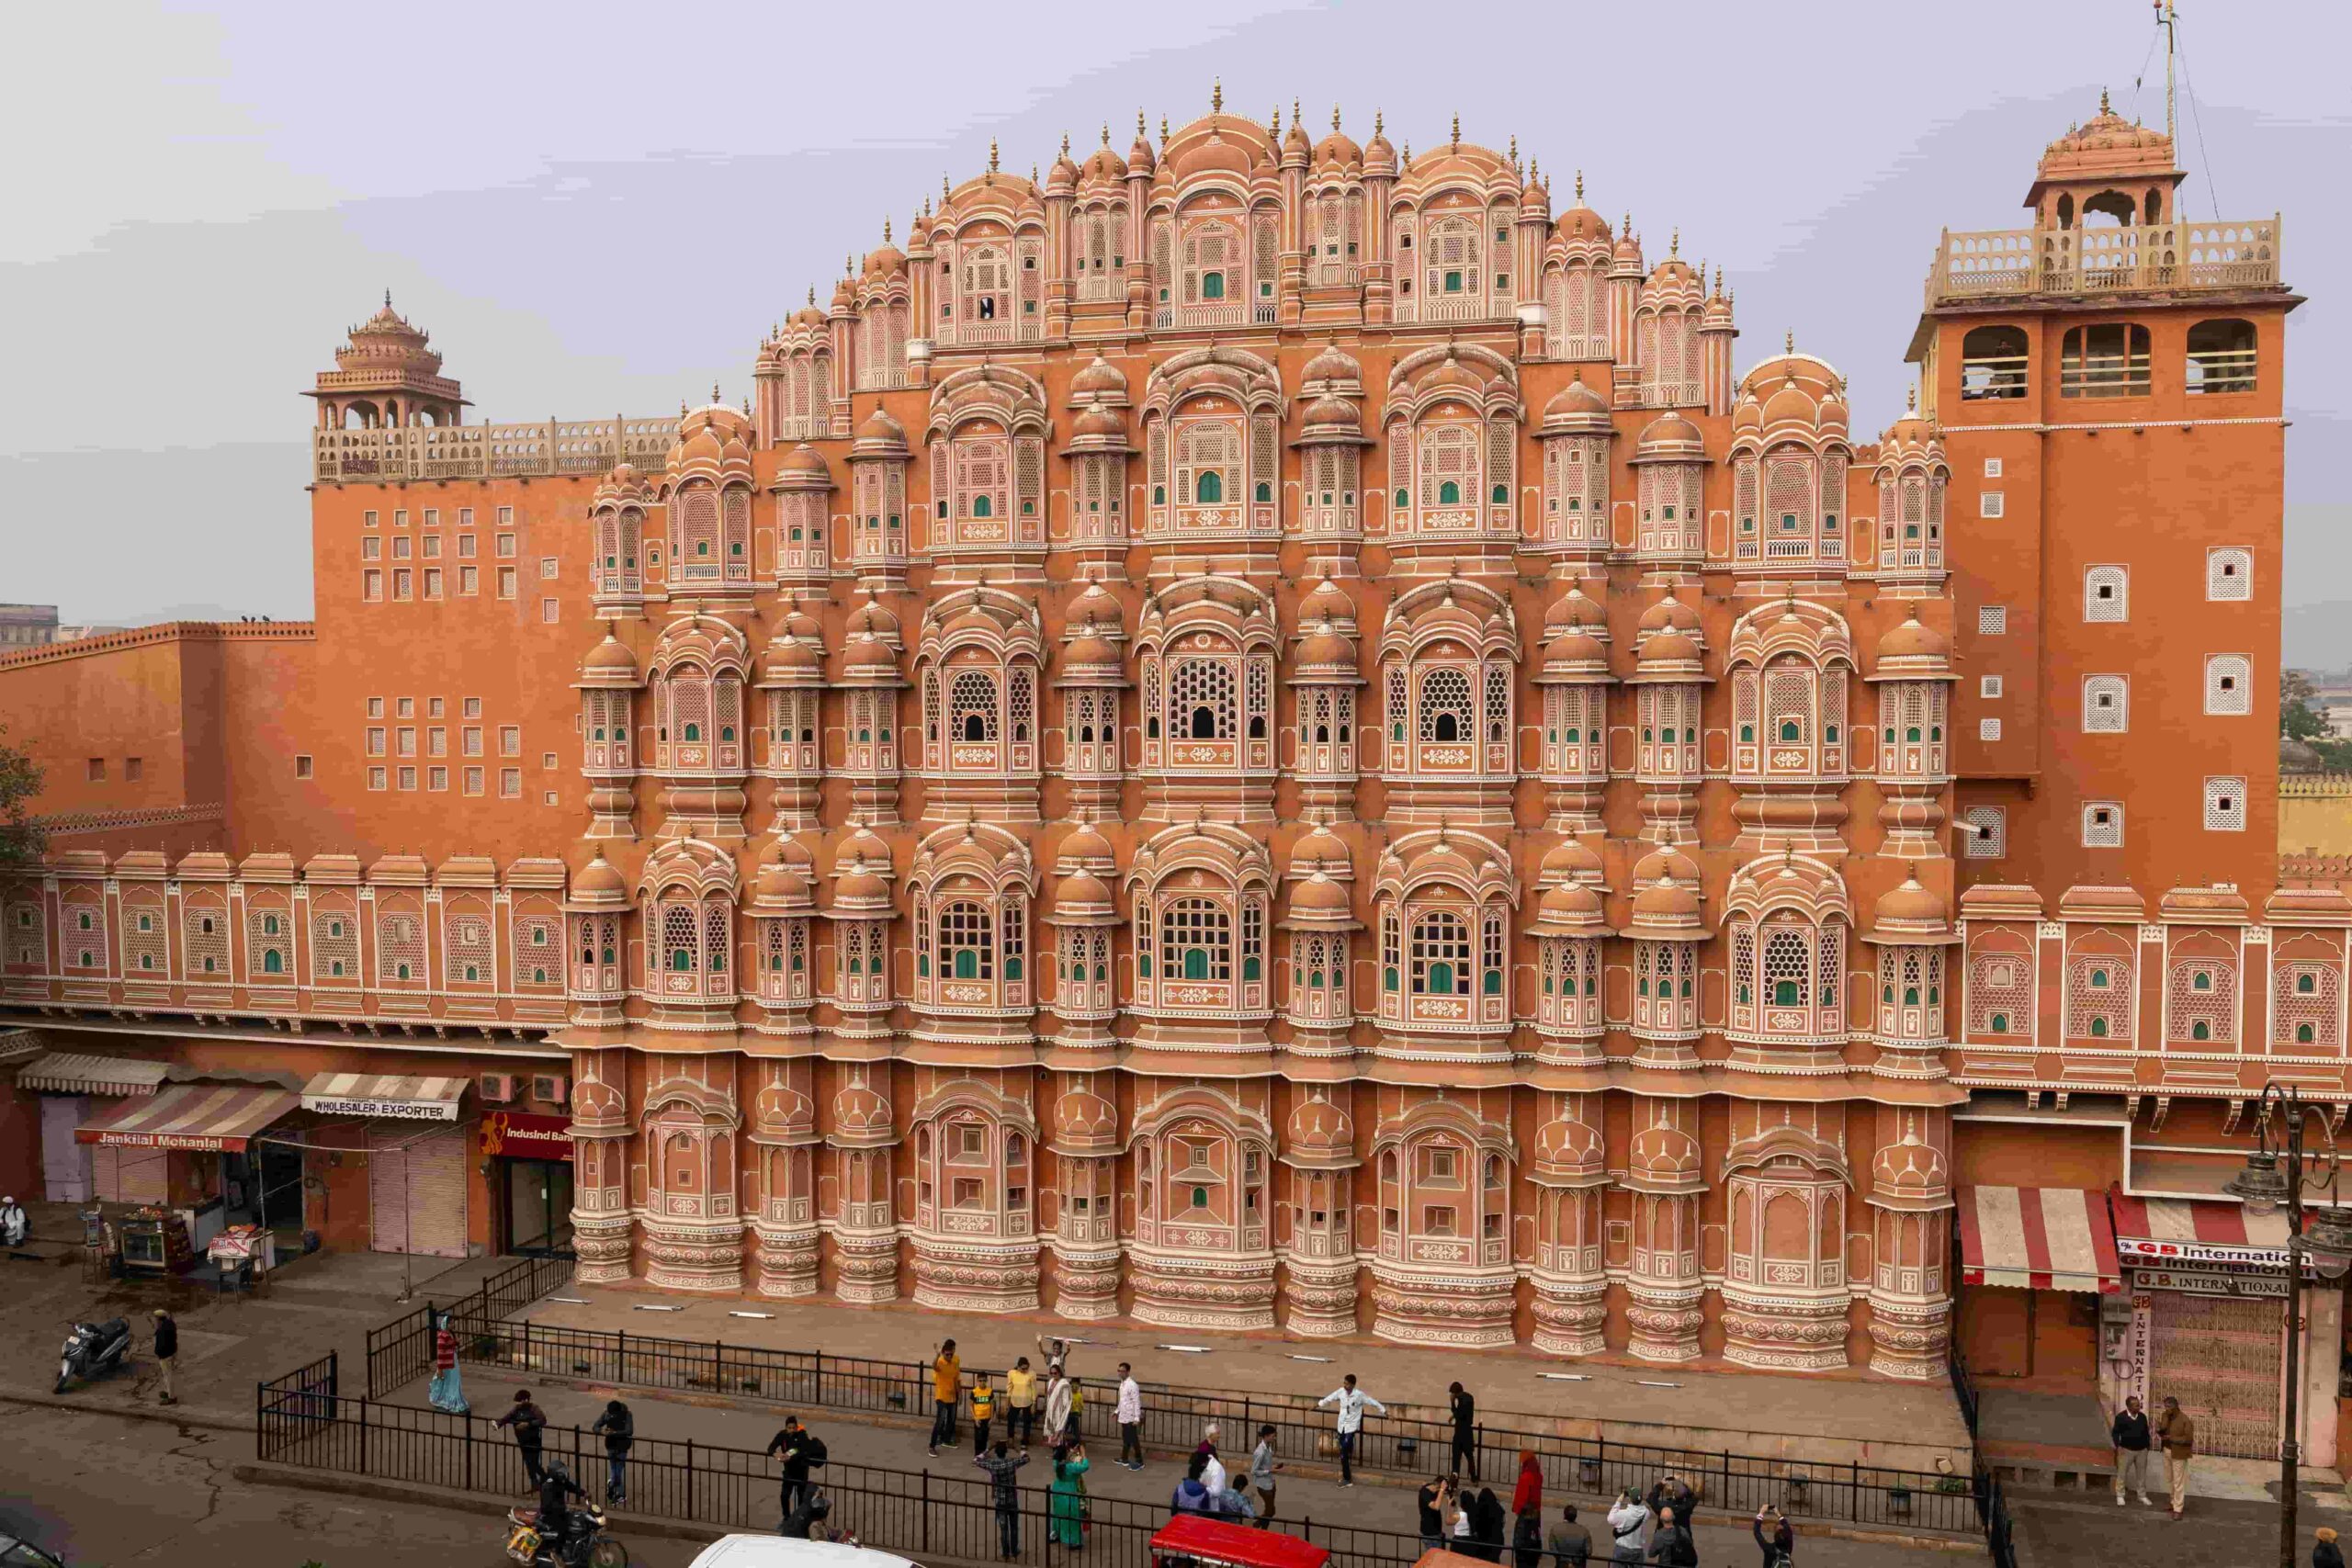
(1352, 1403)
(530, 1424)
(1233, 1502)
(1490, 1523)
(619, 1429)
(946, 1387)
(13, 1225)
(1629, 1523)
(1261, 1475)
(1070, 1466)
(446, 1394)
(1462, 1519)
(802, 1450)
(1776, 1538)
(1060, 1396)
(1021, 1403)
(1002, 1465)
(1571, 1543)
(1671, 1493)
(1527, 1497)
(1191, 1496)
(2325, 1553)
(1465, 1430)
(1130, 1415)
(2130, 1435)
(983, 1412)
(1671, 1546)
(1076, 1418)
(1211, 1474)
(167, 1349)
(1430, 1500)
(2178, 1432)
(1057, 1353)
(1527, 1540)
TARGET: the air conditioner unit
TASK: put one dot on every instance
(498, 1089)
(551, 1088)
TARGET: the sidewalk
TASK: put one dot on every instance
(1840, 1417)
(2088, 1530)
(899, 1445)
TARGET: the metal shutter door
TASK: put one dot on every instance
(387, 1185)
(436, 1195)
(2219, 1357)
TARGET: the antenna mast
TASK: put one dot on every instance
(2167, 19)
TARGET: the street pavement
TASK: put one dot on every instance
(1367, 1505)
(2088, 1530)
(94, 1488)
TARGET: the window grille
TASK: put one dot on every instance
(972, 707)
(966, 942)
(2106, 593)
(1992, 620)
(2107, 701)
(1441, 955)
(1195, 940)
(2225, 804)
(2102, 825)
(1200, 696)
(2229, 683)
(1985, 832)
(2229, 575)
(1446, 705)
(2000, 994)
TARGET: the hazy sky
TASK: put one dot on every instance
(597, 210)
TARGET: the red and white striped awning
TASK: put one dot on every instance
(204, 1116)
(2038, 1238)
(2158, 1231)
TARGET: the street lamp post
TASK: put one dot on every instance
(2263, 1187)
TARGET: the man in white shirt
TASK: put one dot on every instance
(1351, 1402)
(1130, 1415)
(1630, 1522)
(1213, 1473)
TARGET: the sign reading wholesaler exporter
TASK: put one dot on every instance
(412, 1109)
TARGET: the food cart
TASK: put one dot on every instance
(154, 1241)
(1192, 1541)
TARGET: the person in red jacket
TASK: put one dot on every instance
(1528, 1499)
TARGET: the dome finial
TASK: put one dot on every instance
(1275, 133)
(1164, 130)
(1719, 277)
(388, 298)
(1457, 132)
(1788, 342)
(1911, 399)
(1674, 243)
(812, 295)
(2102, 102)
(1217, 97)
(992, 163)
(945, 192)
(1580, 187)
(1514, 148)
(1334, 117)
(886, 230)
(1375, 121)
(1139, 125)
(1065, 143)
(1107, 133)
(714, 394)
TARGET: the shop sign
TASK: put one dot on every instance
(2175, 1253)
(518, 1134)
(202, 1141)
(2211, 1282)
(2143, 1337)
(412, 1109)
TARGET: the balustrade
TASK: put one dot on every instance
(2240, 253)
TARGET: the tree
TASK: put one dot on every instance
(2296, 720)
(20, 835)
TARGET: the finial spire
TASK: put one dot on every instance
(812, 294)
(1217, 97)
(1457, 130)
(1911, 399)
(1788, 342)
(945, 191)
(1719, 277)
(1334, 117)
(388, 298)
(714, 394)
(1376, 119)
(992, 163)
(1674, 244)
(1514, 148)
(1065, 143)
(886, 230)
(1275, 134)
(1107, 133)
(1139, 125)
(1164, 130)
(2102, 101)
(1580, 185)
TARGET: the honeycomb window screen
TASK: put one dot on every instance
(1988, 729)
(1990, 504)
(2107, 592)
(1988, 686)
(1984, 832)
(2102, 825)
(2225, 804)
(2229, 683)
(2229, 574)
(1992, 467)
(1992, 620)
(2106, 705)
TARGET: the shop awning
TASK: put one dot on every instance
(191, 1116)
(65, 1072)
(2038, 1238)
(373, 1094)
(2181, 1230)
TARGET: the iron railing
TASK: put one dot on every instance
(401, 1351)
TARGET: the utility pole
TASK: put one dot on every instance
(2167, 19)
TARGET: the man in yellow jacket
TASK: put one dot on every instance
(946, 1388)
(2177, 1433)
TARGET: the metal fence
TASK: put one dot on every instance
(911, 1511)
(401, 1351)
(1402, 1443)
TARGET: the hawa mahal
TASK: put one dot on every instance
(1257, 732)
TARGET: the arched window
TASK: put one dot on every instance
(972, 707)
(1441, 955)
(2106, 593)
(983, 506)
(1210, 486)
(1196, 939)
(2106, 705)
(2229, 683)
(1992, 363)
(2221, 357)
(966, 940)
(1201, 697)
(1448, 493)
(1446, 705)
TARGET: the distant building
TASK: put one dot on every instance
(27, 626)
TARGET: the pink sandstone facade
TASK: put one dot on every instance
(1268, 733)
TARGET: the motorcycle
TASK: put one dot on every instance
(525, 1545)
(92, 1349)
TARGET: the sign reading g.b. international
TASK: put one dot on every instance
(518, 1134)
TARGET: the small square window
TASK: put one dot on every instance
(97, 770)
(375, 707)
(546, 759)
(436, 778)
(1992, 620)
(408, 778)
(547, 611)
(1984, 832)
(1988, 729)
(506, 516)
(547, 799)
(408, 707)
(371, 519)
(375, 778)
(134, 768)
(2229, 575)
(2103, 825)
(547, 567)
(1992, 467)
(1988, 686)
(2225, 804)
(510, 783)
(301, 767)
(505, 545)
(473, 708)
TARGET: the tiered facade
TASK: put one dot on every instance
(1261, 732)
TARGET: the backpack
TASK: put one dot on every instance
(812, 1452)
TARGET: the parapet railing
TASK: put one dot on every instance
(489, 451)
(1993, 263)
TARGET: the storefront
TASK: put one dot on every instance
(76, 1088)
(189, 1147)
(2203, 1320)
(410, 1133)
(2038, 1263)
(530, 1180)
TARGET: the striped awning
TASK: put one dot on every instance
(202, 1116)
(65, 1072)
(2038, 1238)
(379, 1094)
(2158, 1231)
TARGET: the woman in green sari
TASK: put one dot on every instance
(1069, 1496)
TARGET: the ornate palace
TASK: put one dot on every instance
(1262, 731)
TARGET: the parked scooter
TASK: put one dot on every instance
(92, 1349)
(524, 1545)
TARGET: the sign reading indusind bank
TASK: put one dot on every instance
(518, 1134)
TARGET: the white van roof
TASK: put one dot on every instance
(785, 1552)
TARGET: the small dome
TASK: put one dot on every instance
(1576, 652)
(1452, 373)
(1569, 860)
(1332, 363)
(1670, 613)
(1332, 413)
(1910, 912)
(1326, 601)
(1099, 424)
(1913, 642)
(1082, 893)
(1099, 378)
(609, 656)
(877, 427)
(1089, 652)
(779, 884)
(1084, 1118)
(1666, 863)
(1569, 904)
(859, 1111)
(598, 878)
(868, 654)
(1319, 1127)
(1085, 845)
(1577, 407)
(805, 459)
(1573, 609)
(1319, 895)
(1671, 438)
(1667, 651)
(1324, 649)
